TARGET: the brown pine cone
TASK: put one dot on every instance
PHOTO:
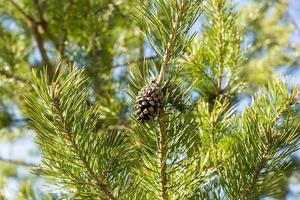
(149, 101)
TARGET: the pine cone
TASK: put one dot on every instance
(149, 101)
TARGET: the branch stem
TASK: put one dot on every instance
(21, 10)
(44, 25)
(162, 157)
(171, 42)
(264, 159)
(65, 29)
(260, 166)
(220, 52)
(34, 25)
(12, 76)
(61, 122)
(40, 43)
(162, 123)
(18, 162)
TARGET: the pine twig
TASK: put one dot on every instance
(40, 44)
(61, 122)
(212, 128)
(255, 178)
(141, 59)
(265, 157)
(162, 157)
(220, 56)
(44, 24)
(12, 76)
(202, 71)
(33, 24)
(162, 139)
(170, 44)
(65, 28)
(18, 162)
(21, 10)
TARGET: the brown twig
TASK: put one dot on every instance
(220, 56)
(65, 28)
(12, 76)
(134, 61)
(40, 44)
(21, 10)
(44, 24)
(18, 162)
(33, 24)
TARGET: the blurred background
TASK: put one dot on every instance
(102, 36)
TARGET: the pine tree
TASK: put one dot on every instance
(201, 150)
(190, 142)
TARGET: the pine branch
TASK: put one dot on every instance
(220, 51)
(170, 44)
(262, 147)
(165, 62)
(21, 10)
(217, 51)
(83, 159)
(44, 25)
(260, 165)
(102, 188)
(65, 27)
(12, 76)
(33, 24)
(168, 35)
(266, 151)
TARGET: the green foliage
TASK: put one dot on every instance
(263, 144)
(213, 60)
(86, 163)
(166, 24)
(27, 193)
(183, 161)
(199, 146)
(250, 153)
(7, 170)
